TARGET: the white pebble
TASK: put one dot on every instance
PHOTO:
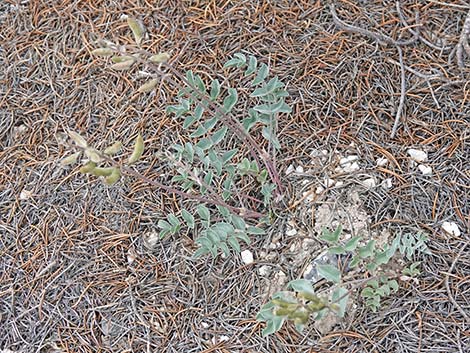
(426, 170)
(369, 183)
(451, 228)
(204, 324)
(319, 190)
(290, 169)
(418, 155)
(325, 152)
(264, 270)
(382, 162)
(328, 182)
(387, 183)
(339, 184)
(299, 169)
(224, 338)
(351, 167)
(25, 194)
(247, 257)
(291, 232)
(348, 160)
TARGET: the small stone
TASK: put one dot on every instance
(387, 183)
(290, 169)
(451, 228)
(348, 160)
(204, 324)
(328, 182)
(264, 270)
(299, 169)
(426, 170)
(369, 183)
(25, 194)
(325, 152)
(224, 338)
(339, 184)
(319, 190)
(382, 162)
(418, 155)
(151, 239)
(247, 257)
(291, 232)
(351, 167)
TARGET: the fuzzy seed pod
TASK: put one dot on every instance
(70, 159)
(80, 141)
(138, 150)
(113, 177)
(88, 168)
(160, 58)
(113, 149)
(102, 52)
(137, 28)
(148, 86)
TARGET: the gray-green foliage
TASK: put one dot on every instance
(303, 302)
(204, 165)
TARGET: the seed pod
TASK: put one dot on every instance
(120, 59)
(282, 311)
(160, 58)
(113, 177)
(80, 141)
(148, 86)
(301, 315)
(137, 28)
(93, 154)
(102, 52)
(316, 306)
(123, 65)
(138, 150)
(104, 172)
(88, 168)
(70, 159)
(113, 149)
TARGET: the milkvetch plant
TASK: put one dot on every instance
(302, 302)
(234, 190)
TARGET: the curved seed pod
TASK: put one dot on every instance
(123, 65)
(137, 28)
(93, 155)
(316, 306)
(113, 149)
(80, 141)
(104, 172)
(88, 168)
(120, 59)
(102, 52)
(283, 311)
(113, 177)
(148, 86)
(160, 58)
(70, 159)
(138, 150)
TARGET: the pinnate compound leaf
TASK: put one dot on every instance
(219, 135)
(203, 212)
(138, 150)
(329, 272)
(233, 242)
(252, 65)
(351, 244)
(263, 72)
(188, 218)
(301, 285)
(331, 237)
(341, 298)
(230, 100)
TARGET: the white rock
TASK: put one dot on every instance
(325, 152)
(25, 194)
(299, 169)
(204, 324)
(290, 169)
(339, 184)
(351, 167)
(348, 160)
(369, 183)
(426, 170)
(247, 257)
(328, 182)
(264, 270)
(418, 155)
(387, 183)
(382, 162)
(319, 190)
(224, 338)
(291, 232)
(451, 228)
